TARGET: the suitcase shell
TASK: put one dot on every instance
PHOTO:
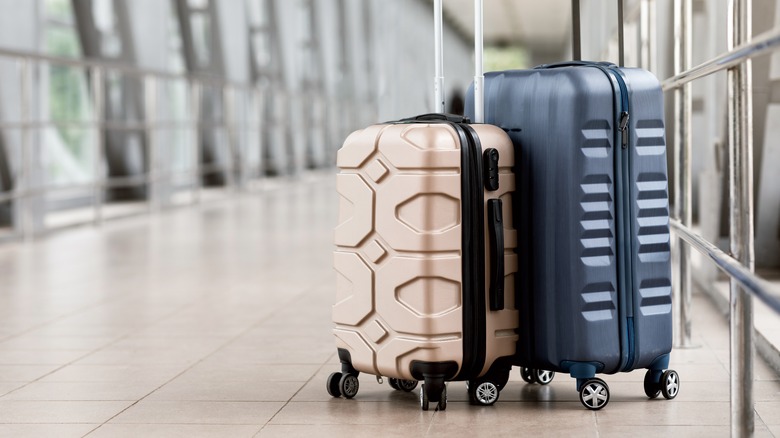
(407, 304)
(592, 215)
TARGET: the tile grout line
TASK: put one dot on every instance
(327, 362)
(230, 341)
(96, 350)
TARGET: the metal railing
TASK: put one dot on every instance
(239, 128)
(739, 263)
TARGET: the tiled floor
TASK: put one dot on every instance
(215, 321)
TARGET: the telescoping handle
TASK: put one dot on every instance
(576, 42)
(479, 78)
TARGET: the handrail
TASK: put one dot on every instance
(762, 44)
(756, 285)
(121, 67)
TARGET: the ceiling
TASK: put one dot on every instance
(539, 25)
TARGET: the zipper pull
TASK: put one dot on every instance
(624, 128)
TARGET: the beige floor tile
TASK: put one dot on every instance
(514, 430)
(211, 390)
(49, 343)
(85, 391)
(45, 430)
(216, 370)
(198, 412)
(316, 354)
(15, 411)
(173, 431)
(44, 357)
(24, 373)
(516, 415)
(340, 411)
(769, 412)
(613, 431)
(154, 356)
(7, 387)
(664, 412)
(343, 430)
(123, 373)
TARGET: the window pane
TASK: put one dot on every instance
(59, 10)
(201, 34)
(62, 41)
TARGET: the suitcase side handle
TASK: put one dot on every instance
(496, 232)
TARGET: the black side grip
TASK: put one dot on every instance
(496, 232)
(438, 117)
(490, 160)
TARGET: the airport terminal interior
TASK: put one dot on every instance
(168, 200)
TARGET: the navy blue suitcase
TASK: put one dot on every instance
(592, 215)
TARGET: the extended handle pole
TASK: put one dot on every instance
(576, 38)
(576, 45)
(479, 76)
(438, 80)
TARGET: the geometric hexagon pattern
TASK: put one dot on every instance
(399, 289)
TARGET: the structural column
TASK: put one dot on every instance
(740, 119)
(682, 168)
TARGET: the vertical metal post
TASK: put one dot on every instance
(195, 102)
(150, 116)
(644, 34)
(682, 169)
(231, 145)
(438, 38)
(260, 124)
(97, 114)
(25, 199)
(479, 77)
(576, 46)
(652, 31)
(741, 222)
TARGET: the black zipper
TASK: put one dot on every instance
(473, 254)
(623, 157)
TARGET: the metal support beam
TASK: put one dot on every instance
(25, 214)
(740, 121)
(682, 168)
(98, 87)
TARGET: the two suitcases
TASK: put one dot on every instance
(426, 240)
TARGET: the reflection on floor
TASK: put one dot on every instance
(215, 321)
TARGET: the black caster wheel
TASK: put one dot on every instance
(543, 377)
(423, 398)
(442, 405)
(333, 384)
(349, 385)
(406, 385)
(393, 383)
(594, 394)
(527, 374)
(670, 384)
(652, 386)
(483, 392)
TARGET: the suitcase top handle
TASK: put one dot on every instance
(574, 64)
(576, 45)
(479, 77)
